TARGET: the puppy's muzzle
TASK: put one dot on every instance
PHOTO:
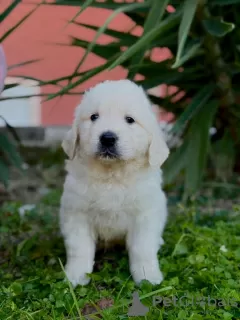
(108, 145)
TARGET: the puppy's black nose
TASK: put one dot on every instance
(108, 139)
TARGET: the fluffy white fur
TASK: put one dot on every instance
(111, 199)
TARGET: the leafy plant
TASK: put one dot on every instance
(204, 67)
(9, 140)
(8, 151)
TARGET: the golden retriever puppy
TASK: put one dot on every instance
(113, 185)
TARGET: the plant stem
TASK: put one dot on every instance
(217, 63)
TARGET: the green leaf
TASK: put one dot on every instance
(223, 154)
(151, 68)
(224, 2)
(195, 316)
(4, 173)
(137, 17)
(9, 9)
(182, 315)
(11, 130)
(154, 17)
(197, 103)
(168, 105)
(9, 86)
(161, 70)
(10, 150)
(82, 79)
(167, 78)
(162, 28)
(11, 30)
(53, 81)
(181, 247)
(121, 9)
(175, 78)
(16, 287)
(128, 38)
(228, 315)
(198, 137)
(190, 52)
(103, 51)
(17, 65)
(86, 4)
(217, 27)
(111, 5)
(175, 163)
(189, 10)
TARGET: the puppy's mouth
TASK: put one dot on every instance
(108, 153)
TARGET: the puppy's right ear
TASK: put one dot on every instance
(71, 142)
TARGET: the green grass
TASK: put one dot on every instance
(32, 282)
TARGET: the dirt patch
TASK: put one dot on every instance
(95, 309)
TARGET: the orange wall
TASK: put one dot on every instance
(37, 38)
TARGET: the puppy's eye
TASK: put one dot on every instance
(94, 117)
(129, 120)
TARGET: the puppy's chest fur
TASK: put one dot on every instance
(112, 206)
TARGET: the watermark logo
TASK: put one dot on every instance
(186, 301)
(137, 309)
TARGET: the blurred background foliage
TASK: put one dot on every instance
(203, 67)
(9, 140)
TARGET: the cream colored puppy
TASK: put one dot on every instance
(113, 186)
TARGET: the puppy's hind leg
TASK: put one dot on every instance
(80, 246)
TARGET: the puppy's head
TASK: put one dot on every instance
(115, 122)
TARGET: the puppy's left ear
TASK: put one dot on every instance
(71, 141)
(158, 149)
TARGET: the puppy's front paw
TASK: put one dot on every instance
(77, 274)
(146, 271)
